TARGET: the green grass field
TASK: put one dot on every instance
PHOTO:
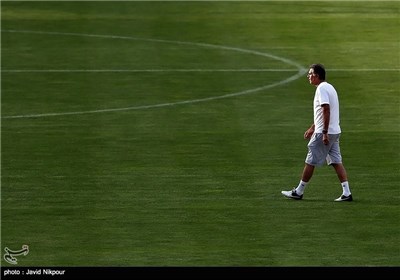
(162, 133)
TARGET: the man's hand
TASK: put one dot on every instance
(309, 132)
(325, 138)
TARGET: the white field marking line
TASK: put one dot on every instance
(139, 70)
(365, 70)
(300, 72)
(183, 70)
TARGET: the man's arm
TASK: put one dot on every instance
(326, 113)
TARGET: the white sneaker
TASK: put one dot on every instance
(344, 198)
(292, 194)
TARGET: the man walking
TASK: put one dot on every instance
(323, 136)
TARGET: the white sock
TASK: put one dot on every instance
(300, 188)
(346, 188)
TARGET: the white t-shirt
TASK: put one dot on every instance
(326, 94)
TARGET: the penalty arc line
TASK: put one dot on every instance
(192, 101)
(300, 72)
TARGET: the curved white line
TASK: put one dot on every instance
(300, 72)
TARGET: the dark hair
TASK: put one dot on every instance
(319, 69)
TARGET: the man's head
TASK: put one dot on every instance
(316, 74)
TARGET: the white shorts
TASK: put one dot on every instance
(319, 153)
